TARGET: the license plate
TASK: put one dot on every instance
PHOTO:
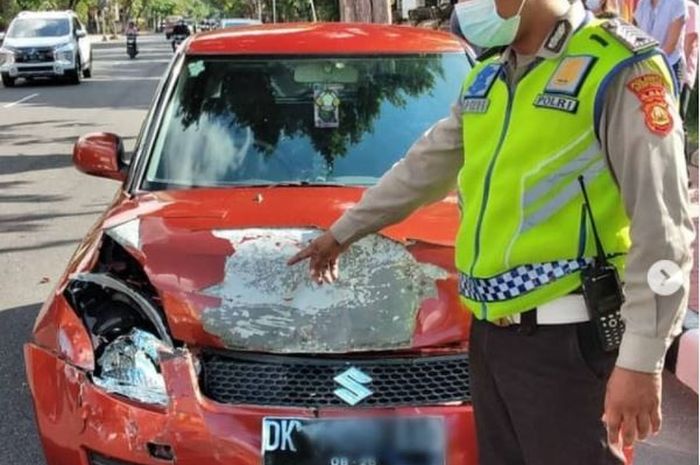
(353, 441)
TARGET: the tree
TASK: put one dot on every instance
(365, 11)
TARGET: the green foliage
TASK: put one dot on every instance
(287, 10)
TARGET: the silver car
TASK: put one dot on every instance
(45, 44)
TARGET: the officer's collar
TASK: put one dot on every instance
(558, 39)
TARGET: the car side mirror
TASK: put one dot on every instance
(79, 33)
(100, 154)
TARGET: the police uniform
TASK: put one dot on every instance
(597, 101)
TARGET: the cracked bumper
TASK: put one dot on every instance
(74, 418)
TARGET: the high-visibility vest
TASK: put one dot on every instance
(524, 235)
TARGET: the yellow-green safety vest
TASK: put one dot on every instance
(524, 236)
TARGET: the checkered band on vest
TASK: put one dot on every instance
(518, 281)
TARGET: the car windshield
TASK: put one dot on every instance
(26, 28)
(281, 120)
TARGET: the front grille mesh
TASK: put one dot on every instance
(244, 379)
(38, 55)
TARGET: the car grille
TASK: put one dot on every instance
(244, 379)
(34, 55)
(34, 69)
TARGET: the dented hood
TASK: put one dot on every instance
(218, 261)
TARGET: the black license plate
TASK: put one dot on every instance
(353, 441)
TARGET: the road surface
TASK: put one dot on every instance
(46, 206)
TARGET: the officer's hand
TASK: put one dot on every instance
(323, 254)
(632, 406)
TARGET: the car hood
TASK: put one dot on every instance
(36, 41)
(218, 261)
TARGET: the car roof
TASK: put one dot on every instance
(323, 38)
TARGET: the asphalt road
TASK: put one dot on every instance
(46, 207)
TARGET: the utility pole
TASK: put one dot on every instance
(259, 3)
(365, 11)
(274, 11)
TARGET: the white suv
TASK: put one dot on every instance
(45, 44)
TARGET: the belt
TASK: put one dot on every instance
(564, 310)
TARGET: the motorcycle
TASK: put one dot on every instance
(131, 48)
(177, 39)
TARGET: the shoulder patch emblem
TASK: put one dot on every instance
(570, 74)
(630, 36)
(481, 85)
(650, 89)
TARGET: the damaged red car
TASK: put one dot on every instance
(178, 334)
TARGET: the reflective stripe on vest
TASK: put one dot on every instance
(523, 236)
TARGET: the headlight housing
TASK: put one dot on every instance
(64, 52)
(7, 56)
(129, 366)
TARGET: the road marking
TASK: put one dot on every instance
(125, 78)
(22, 100)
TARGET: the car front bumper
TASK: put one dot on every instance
(76, 419)
(45, 69)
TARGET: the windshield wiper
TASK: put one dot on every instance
(261, 183)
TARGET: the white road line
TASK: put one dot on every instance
(22, 100)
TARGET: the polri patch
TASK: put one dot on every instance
(650, 89)
(483, 82)
(570, 75)
(557, 102)
(475, 105)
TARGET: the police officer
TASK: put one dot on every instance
(567, 100)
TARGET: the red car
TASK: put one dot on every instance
(178, 334)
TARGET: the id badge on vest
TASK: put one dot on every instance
(475, 99)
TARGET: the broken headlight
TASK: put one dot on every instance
(129, 366)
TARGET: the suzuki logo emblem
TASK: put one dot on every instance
(353, 389)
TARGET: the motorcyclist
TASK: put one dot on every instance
(132, 31)
(180, 32)
(181, 29)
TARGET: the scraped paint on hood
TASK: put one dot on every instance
(269, 306)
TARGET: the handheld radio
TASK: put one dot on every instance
(602, 290)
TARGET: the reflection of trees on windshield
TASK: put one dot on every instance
(265, 98)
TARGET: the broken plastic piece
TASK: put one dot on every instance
(129, 366)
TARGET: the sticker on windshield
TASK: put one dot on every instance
(195, 68)
(326, 107)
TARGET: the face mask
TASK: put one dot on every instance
(593, 5)
(483, 26)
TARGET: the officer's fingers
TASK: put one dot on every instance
(334, 269)
(656, 420)
(302, 255)
(328, 276)
(643, 426)
(613, 421)
(316, 269)
(629, 431)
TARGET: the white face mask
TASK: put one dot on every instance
(483, 26)
(594, 5)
